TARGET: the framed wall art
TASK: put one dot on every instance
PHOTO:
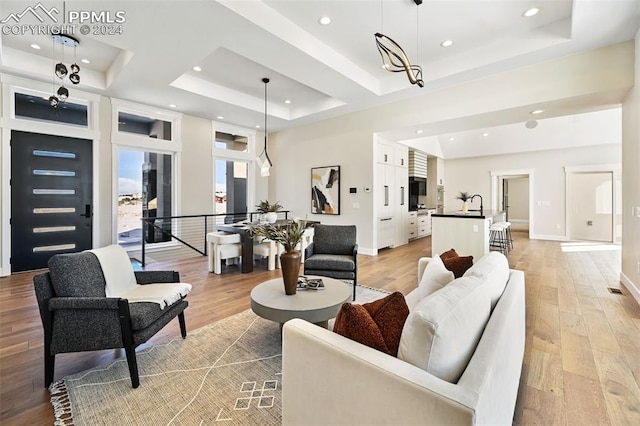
(325, 190)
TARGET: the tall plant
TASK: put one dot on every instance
(289, 235)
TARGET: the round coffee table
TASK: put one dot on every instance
(269, 301)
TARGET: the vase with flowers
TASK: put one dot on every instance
(270, 211)
(464, 196)
(289, 235)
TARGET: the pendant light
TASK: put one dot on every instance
(61, 71)
(266, 164)
(394, 58)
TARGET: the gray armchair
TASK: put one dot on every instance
(77, 316)
(333, 253)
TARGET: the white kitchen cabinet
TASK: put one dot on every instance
(391, 194)
(412, 225)
(385, 153)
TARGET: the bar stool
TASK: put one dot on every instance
(222, 245)
(498, 237)
(508, 234)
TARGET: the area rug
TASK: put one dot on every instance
(226, 372)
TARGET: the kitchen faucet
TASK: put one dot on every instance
(478, 195)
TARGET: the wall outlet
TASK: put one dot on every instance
(356, 205)
(367, 189)
(558, 226)
(475, 228)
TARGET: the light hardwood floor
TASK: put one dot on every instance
(582, 356)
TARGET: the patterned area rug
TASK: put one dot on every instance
(228, 371)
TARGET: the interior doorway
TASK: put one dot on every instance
(591, 206)
(515, 201)
(512, 192)
(51, 198)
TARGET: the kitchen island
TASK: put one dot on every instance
(467, 233)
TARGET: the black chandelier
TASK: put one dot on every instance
(395, 59)
(60, 70)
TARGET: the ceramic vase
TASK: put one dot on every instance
(271, 217)
(290, 264)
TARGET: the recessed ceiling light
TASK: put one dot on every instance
(531, 12)
(35, 46)
(257, 126)
(419, 131)
(446, 43)
(537, 111)
(452, 139)
(197, 69)
(485, 134)
(85, 61)
(220, 117)
(287, 101)
(173, 106)
(325, 20)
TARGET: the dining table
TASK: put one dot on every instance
(246, 240)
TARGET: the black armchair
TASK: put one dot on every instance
(333, 253)
(77, 316)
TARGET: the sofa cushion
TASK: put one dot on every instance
(377, 324)
(330, 261)
(434, 277)
(77, 275)
(335, 239)
(493, 270)
(441, 333)
(456, 263)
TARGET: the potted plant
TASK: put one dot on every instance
(464, 196)
(289, 235)
(269, 210)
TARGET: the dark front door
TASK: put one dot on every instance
(51, 198)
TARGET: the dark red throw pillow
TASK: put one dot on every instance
(449, 254)
(377, 324)
(455, 263)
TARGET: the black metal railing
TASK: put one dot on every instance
(189, 230)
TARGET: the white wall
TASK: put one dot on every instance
(196, 183)
(474, 175)
(348, 140)
(631, 177)
(591, 206)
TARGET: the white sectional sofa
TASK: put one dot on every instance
(331, 380)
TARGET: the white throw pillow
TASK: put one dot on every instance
(493, 270)
(435, 276)
(441, 333)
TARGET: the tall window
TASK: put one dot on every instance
(231, 188)
(148, 151)
(144, 190)
(234, 185)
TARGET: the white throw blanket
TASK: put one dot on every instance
(121, 280)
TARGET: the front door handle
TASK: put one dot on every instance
(87, 210)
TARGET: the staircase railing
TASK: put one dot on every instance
(189, 230)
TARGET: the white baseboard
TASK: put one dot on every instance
(548, 237)
(5, 272)
(367, 251)
(631, 287)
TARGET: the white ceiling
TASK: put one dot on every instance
(324, 70)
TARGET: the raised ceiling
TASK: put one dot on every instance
(323, 70)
